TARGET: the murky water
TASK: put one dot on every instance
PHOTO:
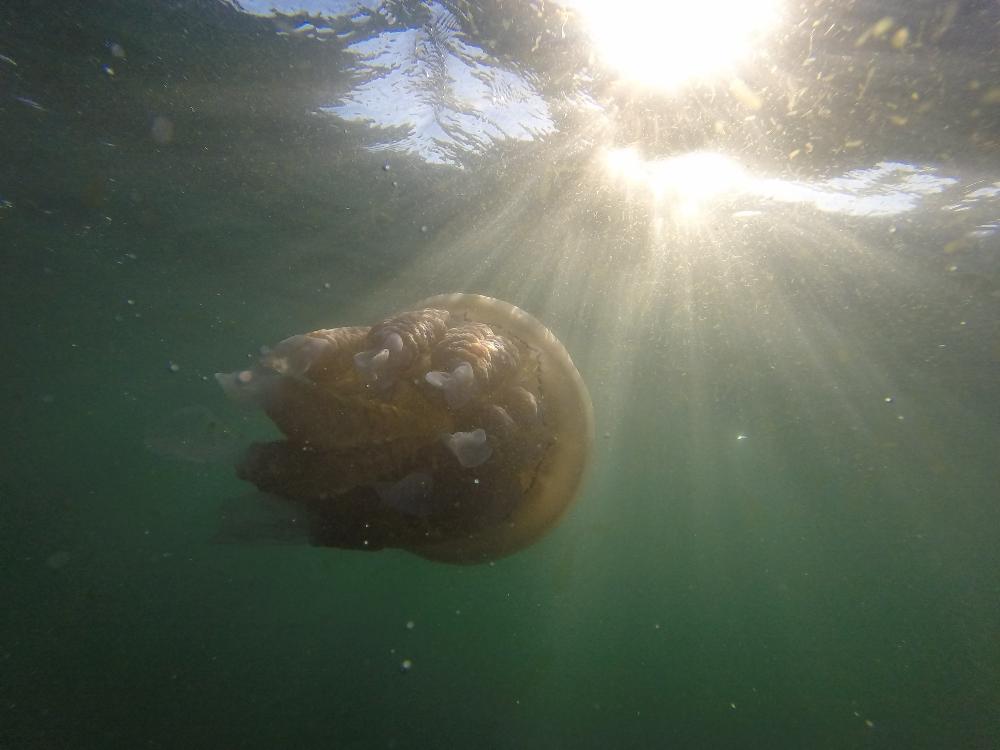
(778, 278)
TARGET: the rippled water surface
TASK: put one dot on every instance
(769, 236)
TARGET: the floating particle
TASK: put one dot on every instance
(888, 399)
(878, 30)
(406, 665)
(423, 229)
(173, 367)
(410, 624)
(30, 102)
(386, 167)
(745, 95)
(162, 129)
(116, 50)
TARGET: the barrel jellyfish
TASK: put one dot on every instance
(458, 430)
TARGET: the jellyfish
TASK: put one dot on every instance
(458, 430)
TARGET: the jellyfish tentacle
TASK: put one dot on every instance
(320, 475)
(413, 495)
(295, 355)
(249, 386)
(321, 418)
(397, 344)
(320, 356)
(334, 362)
(492, 356)
(498, 422)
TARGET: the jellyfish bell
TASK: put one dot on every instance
(458, 429)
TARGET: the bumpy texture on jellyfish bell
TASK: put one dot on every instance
(459, 430)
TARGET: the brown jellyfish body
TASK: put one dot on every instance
(458, 430)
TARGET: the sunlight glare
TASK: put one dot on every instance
(684, 183)
(664, 43)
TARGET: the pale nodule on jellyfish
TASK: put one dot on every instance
(458, 430)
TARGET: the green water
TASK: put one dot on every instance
(790, 533)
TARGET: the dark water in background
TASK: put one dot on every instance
(790, 534)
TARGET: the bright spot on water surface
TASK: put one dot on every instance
(686, 182)
(665, 43)
(687, 186)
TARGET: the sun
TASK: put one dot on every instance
(666, 43)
